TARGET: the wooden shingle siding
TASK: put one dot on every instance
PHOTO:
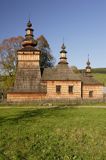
(51, 89)
(21, 97)
(97, 91)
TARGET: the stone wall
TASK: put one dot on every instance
(97, 91)
(51, 90)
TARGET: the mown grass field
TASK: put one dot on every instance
(52, 134)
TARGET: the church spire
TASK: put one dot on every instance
(29, 41)
(63, 58)
(29, 30)
(88, 67)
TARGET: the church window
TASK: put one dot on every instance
(90, 93)
(58, 89)
(70, 89)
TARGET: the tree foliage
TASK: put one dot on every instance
(8, 57)
(8, 54)
(8, 60)
(46, 59)
(75, 69)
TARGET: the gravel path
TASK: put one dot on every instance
(34, 107)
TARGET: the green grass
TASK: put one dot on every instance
(99, 70)
(52, 134)
(101, 77)
(99, 74)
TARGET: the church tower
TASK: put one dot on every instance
(28, 73)
(63, 58)
(88, 67)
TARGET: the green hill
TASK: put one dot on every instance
(101, 77)
(99, 70)
(99, 74)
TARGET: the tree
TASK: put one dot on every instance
(46, 59)
(8, 54)
(8, 60)
(75, 69)
(8, 57)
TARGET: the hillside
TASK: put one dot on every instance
(99, 74)
(101, 77)
(99, 70)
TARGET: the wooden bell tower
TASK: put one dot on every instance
(28, 73)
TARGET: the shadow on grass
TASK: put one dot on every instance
(22, 115)
(34, 113)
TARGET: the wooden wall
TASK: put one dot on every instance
(51, 92)
(51, 89)
(97, 91)
(23, 97)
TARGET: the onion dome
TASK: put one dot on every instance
(88, 62)
(29, 24)
(88, 67)
(63, 47)
(63, 58)
(29, 41)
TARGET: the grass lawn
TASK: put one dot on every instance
(52, 134)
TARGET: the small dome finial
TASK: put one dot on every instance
(29, 24)
(29, 41)
(63, 46)
(88, 67)
(63, 58)
(88, 62)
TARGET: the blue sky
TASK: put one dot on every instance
(82, 24)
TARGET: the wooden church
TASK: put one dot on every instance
(59, 82)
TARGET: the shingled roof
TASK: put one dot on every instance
(59, 73)
(89, 80)
(27, 49)
(28, 80)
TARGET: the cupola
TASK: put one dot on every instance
(29, 40)
(63, 52)
(88, 67)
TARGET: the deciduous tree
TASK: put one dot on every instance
(47, 59)
(75, 69)
(8, 57)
